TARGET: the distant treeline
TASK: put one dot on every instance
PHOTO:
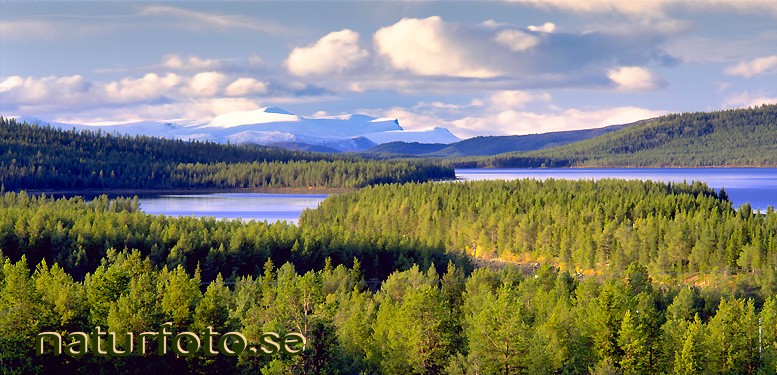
(675, 229)
(35, 157)
(738, 137)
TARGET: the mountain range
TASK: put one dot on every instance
(272, 126)
(491, 145)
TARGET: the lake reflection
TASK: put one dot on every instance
(245, 206)
(757, 186)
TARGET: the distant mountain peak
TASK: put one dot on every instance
(258, 116)
(274, 125)
(277, 110)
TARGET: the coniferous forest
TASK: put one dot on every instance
(42, 158)
(731, 138)
(402, 276)
(649, 278)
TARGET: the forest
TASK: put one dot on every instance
(398, 273)
(580, 277)
(733, 138)
(41, 158)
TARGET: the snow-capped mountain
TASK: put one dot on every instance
(436, 135)
(272, 125)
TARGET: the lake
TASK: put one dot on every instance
(757, 186)
(743, 185)
(246, 206)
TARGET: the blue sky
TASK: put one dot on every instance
(476, 68)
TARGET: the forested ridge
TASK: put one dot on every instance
(737, 137)
(634, 278)
(602, 226)
(489, 145)
(37, 157)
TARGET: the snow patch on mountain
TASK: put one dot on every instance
(260, 116)
(435, 135)
(272, 125)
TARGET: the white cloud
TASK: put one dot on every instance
(432, 47)
(516, 99)
(751, 68)
(10, 83)
(503, 113)
(439, 55)
(246, 86)
(193, 109)
(150, 86)
(205, 84)
(634, 78)
(57, 96)
(517, 40)
(335, 52)
(19, 92)
(547, 27)
(194, 63)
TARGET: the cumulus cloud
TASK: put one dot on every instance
(634, 78)
(431, 46)
(246, 86)
(150, 86)
(55, 95)
(517, 40)
(19, 93)
(205, 84)
(178, 62)
(335, 52)
(498, 55)
(192, 109)
(754, 67)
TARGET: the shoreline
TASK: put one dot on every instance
(155, 192)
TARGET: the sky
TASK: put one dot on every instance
(473, 67)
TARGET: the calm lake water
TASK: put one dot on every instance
(743, 185)
(757, 186)
(246, 206)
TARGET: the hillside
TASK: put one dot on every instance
(492, 145)
(739, 137)
(37, 157)
(406, 148)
